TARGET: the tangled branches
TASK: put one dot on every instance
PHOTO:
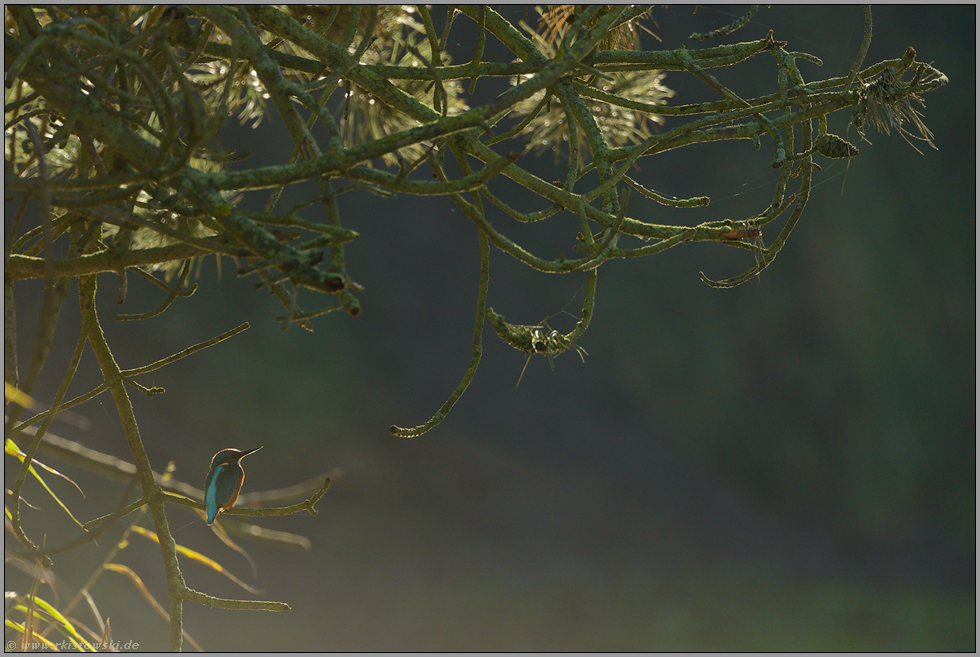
(123, 110)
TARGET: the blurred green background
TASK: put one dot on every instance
(789, 465)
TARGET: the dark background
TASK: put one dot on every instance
(789, 465)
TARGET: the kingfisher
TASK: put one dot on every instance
(224, 481)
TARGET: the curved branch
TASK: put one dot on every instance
(477, 354)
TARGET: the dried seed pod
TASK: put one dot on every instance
(741, 233)
(835, 147)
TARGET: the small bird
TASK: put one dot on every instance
(224, 481)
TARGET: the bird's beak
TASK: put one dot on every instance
(249, 451)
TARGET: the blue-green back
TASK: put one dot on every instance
(220, 486)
